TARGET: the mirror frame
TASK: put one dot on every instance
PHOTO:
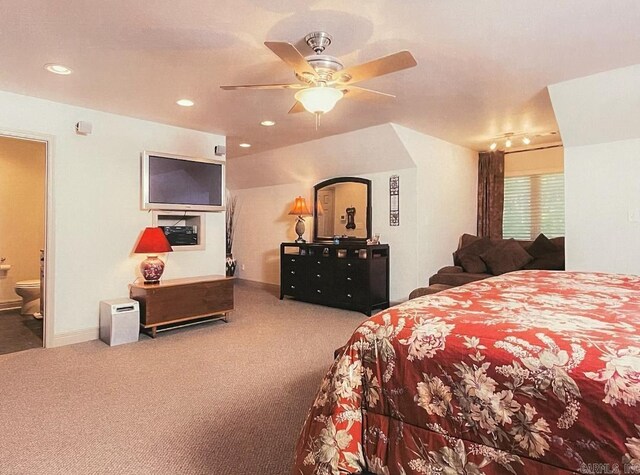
(333, 181)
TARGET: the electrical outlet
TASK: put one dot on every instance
(242, 267)
(634, 215)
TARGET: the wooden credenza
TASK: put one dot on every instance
(176, 301)
(351, 276)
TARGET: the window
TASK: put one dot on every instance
(533, 204)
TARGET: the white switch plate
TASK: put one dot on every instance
(634, 215)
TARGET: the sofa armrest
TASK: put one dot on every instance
(450, 270)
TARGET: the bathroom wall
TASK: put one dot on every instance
(22, 213)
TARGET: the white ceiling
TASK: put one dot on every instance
(483, 65)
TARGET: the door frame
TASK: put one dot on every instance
(49, 241)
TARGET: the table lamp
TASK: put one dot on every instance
(300, 209)
(152, 242)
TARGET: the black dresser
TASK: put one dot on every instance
(351, 276)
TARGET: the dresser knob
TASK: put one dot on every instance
(349, 265)
(319, 262)
(319, 291)
(349, 279)
(293, 272)
(349, 295)
(293, 259)
(293, 287)
(318, 275)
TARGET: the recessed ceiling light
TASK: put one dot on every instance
(57, 69)
(268, 123)
(185, 102)
(244, 145)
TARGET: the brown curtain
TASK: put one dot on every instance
(490, 194)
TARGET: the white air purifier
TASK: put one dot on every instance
(119, 321)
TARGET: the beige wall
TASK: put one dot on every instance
(600, 126)
(534, 162)
(22, 211)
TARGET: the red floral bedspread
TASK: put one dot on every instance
(534, 372)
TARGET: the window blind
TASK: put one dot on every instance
(533, 204)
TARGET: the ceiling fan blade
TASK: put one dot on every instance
(365, 92)
(377, 67)
(290, 55)
(297, 107)
(265, 86)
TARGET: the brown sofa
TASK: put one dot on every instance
(480, 258)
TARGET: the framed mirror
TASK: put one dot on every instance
(342, 207)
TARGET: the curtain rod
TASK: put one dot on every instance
(534, 149)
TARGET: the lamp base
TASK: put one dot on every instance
(152, 268)
(300, 229)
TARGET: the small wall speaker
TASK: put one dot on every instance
(220, 150)
(84, 128)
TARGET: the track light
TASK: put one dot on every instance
(526, 140)
(493, 146)
(507, 143)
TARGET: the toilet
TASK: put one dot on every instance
(29, 290)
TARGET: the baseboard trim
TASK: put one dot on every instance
(259, 285)
(78, 336)
(10, 304)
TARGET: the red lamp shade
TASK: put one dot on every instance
(152, 242)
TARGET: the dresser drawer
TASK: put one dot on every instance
(292, 260)
(353, 272)
(291, 272)
(293, 288)
(352, 296)
(319, 292)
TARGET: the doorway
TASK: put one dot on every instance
(23, 211)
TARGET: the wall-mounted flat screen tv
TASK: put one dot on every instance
(174, 182)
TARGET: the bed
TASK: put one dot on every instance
(532, 372)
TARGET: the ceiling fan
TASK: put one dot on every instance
(323, 78)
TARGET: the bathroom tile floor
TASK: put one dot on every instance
(19, 332)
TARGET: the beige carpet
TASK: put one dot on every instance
(219, 398)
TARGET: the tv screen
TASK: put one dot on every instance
(173, 182)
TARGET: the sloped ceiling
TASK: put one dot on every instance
(599, 108)
(370, 150)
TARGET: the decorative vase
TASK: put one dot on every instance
(231, 265)
(152, 268)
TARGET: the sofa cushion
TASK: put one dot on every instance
(542, 246)
(464, 241)
(550, 261)
(469, 256)
(457, 278)
(450, 269)
(432, 289)
(506, 257)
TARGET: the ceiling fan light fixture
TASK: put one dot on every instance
(319, 100)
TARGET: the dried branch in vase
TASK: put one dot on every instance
(232, 202)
